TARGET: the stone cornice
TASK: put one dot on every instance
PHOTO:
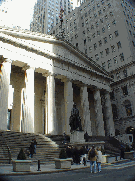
(48, 55)
(48, 38)
(122, 67)
(122, 80)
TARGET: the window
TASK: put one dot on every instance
(98, 32)
(106, 17)
(95, 46)
(85, 42)
(133, 43)
(85, 14)
(109, 5)
(88, 30)
(82, 17)
(95, 15)
(113, 48)
(89, 11)
(82, 24)
(84, 32)
(103, 30)
(86, 21)
(97, 24)
(90, 49)
(77, 45)
(110, 36)
(115, 60)
(102, 2)
(111, 13)
(89, 39)
(119, 44)
(104, 9)
(76, 36)
(109, 63)
(92, 26)
(127, 105)
(116, 33)
(125, 91)
(93, 35)
(125, 72)
(93, 7)
(108, 26)
(101, 54)
(130, 32)
(101, 20)
(121, 57)
(104, 65)
(100, 12)
(105, 40)
(107, 51)
(85, 51)
(114, 22)
(97, 57)
(100, 43)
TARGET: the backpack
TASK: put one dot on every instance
(92, 153)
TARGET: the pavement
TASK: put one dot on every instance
(7, 169)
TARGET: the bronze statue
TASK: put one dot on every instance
(75, 120)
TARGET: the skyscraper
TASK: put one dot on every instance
(46, 13)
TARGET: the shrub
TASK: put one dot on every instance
(21, 155)
(63, 154)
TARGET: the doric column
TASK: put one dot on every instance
(50, 106)
(5, 70)
(16, 110)
(29, 90)
(68, 100)
(109, 115)
(99, 114)
(85, 114)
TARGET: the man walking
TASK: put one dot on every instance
(92, 157)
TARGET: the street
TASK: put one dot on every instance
(119, 172)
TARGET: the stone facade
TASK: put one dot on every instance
(48, 76)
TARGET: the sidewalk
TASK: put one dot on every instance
(6, 169)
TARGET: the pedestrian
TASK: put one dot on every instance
(99, 159)
(68, 151)
(122, 152)
(35, 143)
(31, 149)
(77, 156)
(92, 157)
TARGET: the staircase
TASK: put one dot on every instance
(46, 149)
(4, 151)
(59, 139)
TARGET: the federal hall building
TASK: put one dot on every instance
(41, 77)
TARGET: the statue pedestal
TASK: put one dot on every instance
(77, 137)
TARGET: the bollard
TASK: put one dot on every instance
(38, 165)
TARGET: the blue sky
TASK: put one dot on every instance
(19, 13)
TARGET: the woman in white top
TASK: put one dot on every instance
(99, 159)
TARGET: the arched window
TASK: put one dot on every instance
(127, 105)
(114, 111)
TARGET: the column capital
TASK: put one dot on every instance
(2, 59)
(26, 67)
(65, 79)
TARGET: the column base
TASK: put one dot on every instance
(77, 137)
